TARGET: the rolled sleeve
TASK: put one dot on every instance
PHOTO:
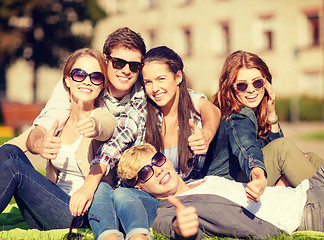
(242, 130)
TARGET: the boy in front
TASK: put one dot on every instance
(217, 206)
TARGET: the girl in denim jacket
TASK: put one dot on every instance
(249, 145)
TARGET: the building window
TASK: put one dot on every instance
(313, 85)
(313, 28)
(115, 6)
(183, 41)
(266, 32)
(151, 38)
(221, 38)
(263, 37)
(187, 42)
(148, 4)
(184, 2)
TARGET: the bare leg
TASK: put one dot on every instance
(283, 181)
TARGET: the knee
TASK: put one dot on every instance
(104, 191)
(283, 141)
(9, 151)
(124, 197)
(121, 194)
(9, 166)
(284, 145)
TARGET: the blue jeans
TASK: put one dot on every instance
(42, 203)
(313, 215)
(102, 207)
(136, 210)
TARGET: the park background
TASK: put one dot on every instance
(35, 36)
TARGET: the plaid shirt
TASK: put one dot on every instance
(130, 131)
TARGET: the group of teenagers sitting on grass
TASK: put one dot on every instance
(131, 148)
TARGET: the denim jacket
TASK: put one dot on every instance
(236, 146)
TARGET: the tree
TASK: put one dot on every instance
(41, 31)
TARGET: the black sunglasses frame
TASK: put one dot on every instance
(247, 85)
(119, 63)
(91, 76)
(157, 160)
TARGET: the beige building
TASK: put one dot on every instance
(287, 34)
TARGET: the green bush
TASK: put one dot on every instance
(309, 109)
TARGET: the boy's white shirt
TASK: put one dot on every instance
(281, 206)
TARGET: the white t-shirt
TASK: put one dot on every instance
(281, 206)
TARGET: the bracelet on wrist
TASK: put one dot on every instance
(275, 121)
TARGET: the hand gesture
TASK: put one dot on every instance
(255, 188)
(80, 201)
(271, 101)
(49, 145)
(198, 141)
(186, 222)
(86, 125)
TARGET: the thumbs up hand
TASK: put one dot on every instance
(198, 141)
(255, 188)
(49, 145)
(186, 222)
(86, 125)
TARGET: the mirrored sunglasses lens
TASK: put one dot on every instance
(258, 84)
(78, 75)
(97, 78)
(135, 67)
(241, 87)
(119, 63)
(158, 159)
(145, 173)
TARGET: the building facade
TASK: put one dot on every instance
(287, 34)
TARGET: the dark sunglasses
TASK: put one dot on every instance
(96, 78)
(78, 222)
(147, 171)
(119, 63)
(258, 84)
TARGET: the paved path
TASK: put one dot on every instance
(295, 131)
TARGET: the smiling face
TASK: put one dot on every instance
(122, 80)
(251, 97)
(161, 85)
(164, 182)
(85, 90)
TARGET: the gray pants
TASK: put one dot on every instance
(283, 157)
(313, 215)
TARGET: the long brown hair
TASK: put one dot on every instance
(225, 97)
(153, 134)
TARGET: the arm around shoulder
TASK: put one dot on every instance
(57, 107)
(211, 116)
(106, 124)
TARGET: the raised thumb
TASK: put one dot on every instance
(193, 125)
(53, 129)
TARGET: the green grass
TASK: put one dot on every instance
(301, 236)
(313, 136)
(4, 139)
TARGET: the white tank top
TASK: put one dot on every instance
(70, 176)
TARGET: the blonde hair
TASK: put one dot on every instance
(131, 161)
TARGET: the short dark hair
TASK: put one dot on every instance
(124, 37)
